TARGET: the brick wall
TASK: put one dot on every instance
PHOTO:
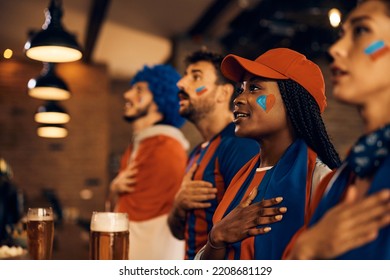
(67, 165)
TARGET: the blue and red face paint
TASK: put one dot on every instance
(376, 49)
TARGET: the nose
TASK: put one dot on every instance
(127, 93)
(239, 100)
(181, 83)
(239, 93)
(338, 49)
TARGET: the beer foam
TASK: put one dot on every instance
(109, 222)
(37, 218)
(40, 214)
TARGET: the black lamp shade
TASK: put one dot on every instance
(53, 43)
(51, 113)
(48, 85)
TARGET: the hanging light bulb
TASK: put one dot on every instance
(52, 131)
(48, 85)
(334, 17)
(53, 43)
(51, 113)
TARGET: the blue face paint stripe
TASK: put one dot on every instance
(199, 89)
(374, 47)
(262, 101)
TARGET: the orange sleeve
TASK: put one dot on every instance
(125, 158)
(161, 162)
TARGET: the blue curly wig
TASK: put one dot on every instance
(162, 81)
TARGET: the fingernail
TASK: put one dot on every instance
(279, 199)
(283, 209)
(278, 217)
(267, 229)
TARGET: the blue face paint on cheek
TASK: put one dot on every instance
(261, 100)
(266, 102)
(200, 90)
(376, 49)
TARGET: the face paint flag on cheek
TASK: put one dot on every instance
(201, 90)
(266, 102)
(376, 49)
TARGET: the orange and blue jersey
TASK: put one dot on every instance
(369, 157)
(291, 178)
(218, 162)
(379, 249)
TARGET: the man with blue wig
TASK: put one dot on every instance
(153, 165)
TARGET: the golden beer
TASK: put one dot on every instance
(109, 236)
(40, 233)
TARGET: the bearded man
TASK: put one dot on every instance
(153, 165)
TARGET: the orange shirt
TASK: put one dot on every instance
(161, 162)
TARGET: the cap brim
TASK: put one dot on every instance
(233, 67)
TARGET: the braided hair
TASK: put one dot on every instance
(305, 117)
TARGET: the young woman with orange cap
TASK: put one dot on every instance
(353, 216)
(280, 104)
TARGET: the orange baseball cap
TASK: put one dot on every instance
(279, 64)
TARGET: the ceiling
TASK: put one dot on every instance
(125, 34)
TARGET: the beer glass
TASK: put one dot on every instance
(40, 233)
(109, 236)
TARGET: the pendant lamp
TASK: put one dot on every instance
(48, 85)
(51, 113)
(53, 43)
(52, 131)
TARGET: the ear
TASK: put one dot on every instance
(225, 93)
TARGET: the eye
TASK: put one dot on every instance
(253, 88)
(196, 77)
(140, 90)
(360, 30)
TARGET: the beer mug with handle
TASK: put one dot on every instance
(40, 233)
(109, 236)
